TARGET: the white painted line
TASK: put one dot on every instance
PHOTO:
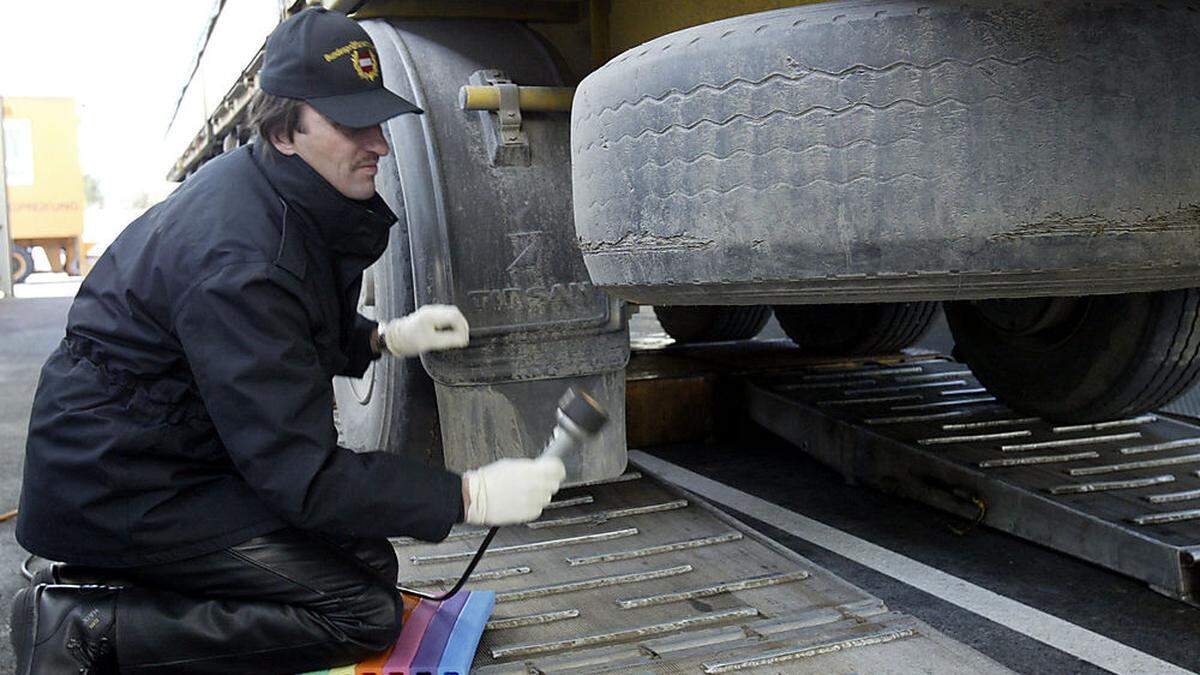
(1063, 635)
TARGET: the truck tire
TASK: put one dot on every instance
(856, 329)
(22, 264)
(710, 323)
(393, 407)
(1082, 359)
(872, 151)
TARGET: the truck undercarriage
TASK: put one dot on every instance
(846, 167)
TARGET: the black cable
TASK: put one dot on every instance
(25, 571)
(461, 580)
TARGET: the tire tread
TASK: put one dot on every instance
(1164, 365)
(723, 324)
(889, 327)
(1168, 380)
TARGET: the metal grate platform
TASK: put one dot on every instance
(633, 575)
(1123, 494)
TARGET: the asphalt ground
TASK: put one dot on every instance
(758, 463)
(29, 331)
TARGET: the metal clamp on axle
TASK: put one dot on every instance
(490, 91)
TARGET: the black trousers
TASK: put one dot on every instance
(286, 602)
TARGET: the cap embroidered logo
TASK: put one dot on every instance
(364, 64)
(362, 55)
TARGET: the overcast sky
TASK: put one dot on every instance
(125, 62)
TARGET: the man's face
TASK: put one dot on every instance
(347, 158)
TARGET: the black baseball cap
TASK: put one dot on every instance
(329, 61)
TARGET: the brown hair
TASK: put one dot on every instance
(272, 116)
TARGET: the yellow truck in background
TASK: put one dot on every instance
(45, 182)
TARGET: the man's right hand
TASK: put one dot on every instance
(510, 491)
(430, 328)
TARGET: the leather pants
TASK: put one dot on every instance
(286, 602)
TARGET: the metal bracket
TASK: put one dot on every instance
(509, 113)
(506, 142)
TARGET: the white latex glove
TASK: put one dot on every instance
(430, 328)
(510, 491)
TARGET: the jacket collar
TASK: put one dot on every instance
(356, 231)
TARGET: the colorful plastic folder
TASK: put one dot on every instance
(438, 638)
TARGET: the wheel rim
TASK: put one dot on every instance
(1038, 323)
(364, 387)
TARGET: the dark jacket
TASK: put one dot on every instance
(190, 405)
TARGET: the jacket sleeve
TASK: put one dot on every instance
(247, 339)
(360, 354)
